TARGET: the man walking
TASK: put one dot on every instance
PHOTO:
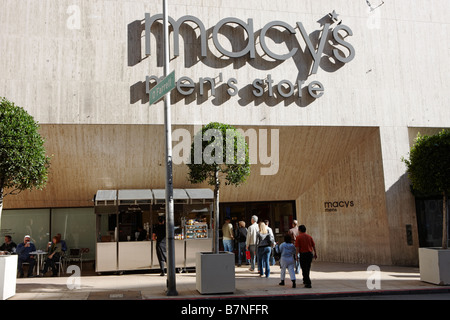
(305, 245)
(293, 232)
(160, 235)
(251, 240)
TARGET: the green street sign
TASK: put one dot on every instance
(162, 88)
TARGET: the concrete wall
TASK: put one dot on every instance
(345, 208)
(84, 62)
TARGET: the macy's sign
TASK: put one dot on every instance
(332, 28)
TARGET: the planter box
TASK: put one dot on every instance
(215, 272)
(434, 265)
(8, 275)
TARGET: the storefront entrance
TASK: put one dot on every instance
(280, 215)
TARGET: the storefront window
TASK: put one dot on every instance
(283, 214)
(33, 222)
(77, 228)
(429, 222)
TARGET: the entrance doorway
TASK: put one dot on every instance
(280, 215)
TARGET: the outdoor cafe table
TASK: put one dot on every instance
(38, 253)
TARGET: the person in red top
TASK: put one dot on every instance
(305, 245)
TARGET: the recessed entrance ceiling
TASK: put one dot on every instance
(87, 158)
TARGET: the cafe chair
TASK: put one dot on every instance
(25, 264)
(60, 264)
(76, 255)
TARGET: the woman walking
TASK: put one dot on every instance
(264, 241)
(287, 260)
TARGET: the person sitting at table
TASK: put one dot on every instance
(54, 252)
(9, 245)
(63, 243)
(23, 251)
(142, 234)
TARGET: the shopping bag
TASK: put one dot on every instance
(247, 254)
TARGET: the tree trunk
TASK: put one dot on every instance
(216, 214)
(444, 223)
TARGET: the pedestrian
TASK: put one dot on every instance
(287, 260)
(227, 235)
(305, 245)
(63, 243)
(264, 242)
(272, 257)
(250, 243)
(23, 251)
(160, 235)
(293, 232)
(9, 245)
(54, 253)
(241, 236)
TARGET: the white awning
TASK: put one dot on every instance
(149, 196)
(106, 197)
(200, 195)
(179, 196)
(159, 194)
(135, 196)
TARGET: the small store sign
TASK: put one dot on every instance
(333, 206)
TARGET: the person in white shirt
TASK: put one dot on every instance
(227, 235)
(250, 244)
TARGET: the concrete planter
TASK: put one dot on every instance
(8, 275)
(434, 265)
(215, 272)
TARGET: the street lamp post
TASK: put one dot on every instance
(171, 281)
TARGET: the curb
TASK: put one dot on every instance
(328, 295)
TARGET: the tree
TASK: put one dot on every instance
(23, 163)
(428, 169)
(218, 151)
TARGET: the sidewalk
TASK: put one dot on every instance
(328, 280)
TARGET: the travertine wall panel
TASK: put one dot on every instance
(85, 61)
(87, 158)
(344, 210)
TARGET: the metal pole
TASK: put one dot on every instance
(171, 283)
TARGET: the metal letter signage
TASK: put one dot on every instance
(251, 40)
(186, 86)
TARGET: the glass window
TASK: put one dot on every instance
(283, 215)
(77, 228)
(33, 222)
(429, 221)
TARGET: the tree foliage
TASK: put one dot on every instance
(429, 163)
(23, 162)
(219, 149)
(428, 168)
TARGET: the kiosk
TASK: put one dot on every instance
(124, 227)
